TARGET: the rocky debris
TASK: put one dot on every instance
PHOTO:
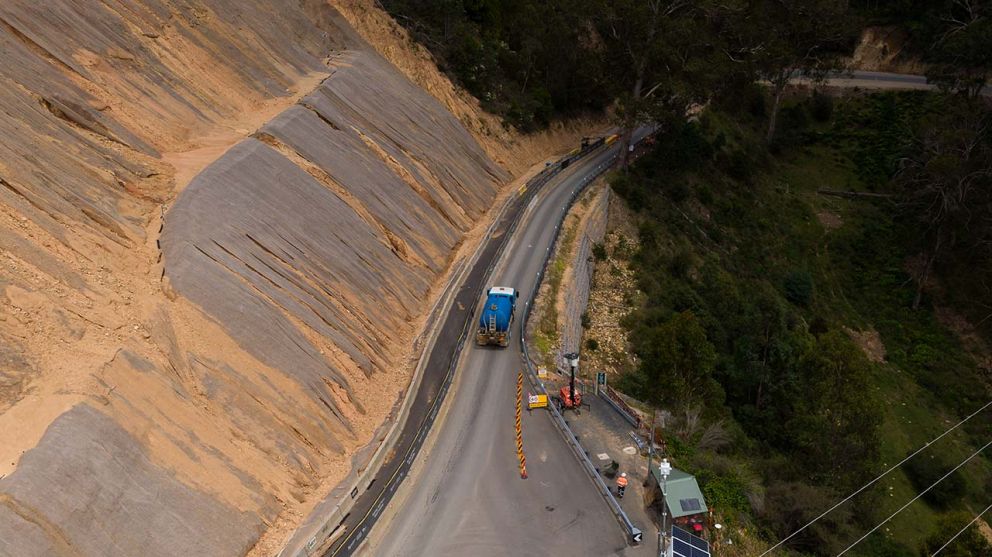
(870, 343)
(613, 295)
(882, 48)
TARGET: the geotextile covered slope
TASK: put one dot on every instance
(186, 368)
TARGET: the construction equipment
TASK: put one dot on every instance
(497, 315)
(570, 398)
(567, 400)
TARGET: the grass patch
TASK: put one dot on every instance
(546, 336)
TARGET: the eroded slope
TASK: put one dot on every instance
(181, 393)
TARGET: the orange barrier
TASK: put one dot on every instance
(520, 437)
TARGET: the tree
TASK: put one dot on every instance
(961, 55)
(788, 38)
(789, 506)
(837, 415)
(660, 53)
(926, 470)
(969, 544)
(946, 185)
(677, 362)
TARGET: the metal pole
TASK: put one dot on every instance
(664, 469)
(654, 420)
(664, 511)
(571, 386)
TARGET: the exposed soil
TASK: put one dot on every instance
(829, 220)
(870, 343)
(883, 49)
(113, 116)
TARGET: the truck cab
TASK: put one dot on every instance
(497, 316)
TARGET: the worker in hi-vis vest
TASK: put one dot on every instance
(621, 484)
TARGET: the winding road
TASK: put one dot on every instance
(463, 494)
(468, 497)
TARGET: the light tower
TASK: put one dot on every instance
(573, 362)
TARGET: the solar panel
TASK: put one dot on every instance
(690, 505)
(685, 544)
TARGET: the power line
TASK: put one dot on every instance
(961, 531)
(871, 483)
(911, 501)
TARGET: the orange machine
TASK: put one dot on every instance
(567, 400)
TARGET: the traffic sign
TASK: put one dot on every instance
(636, 535)
(537, 401)
(601, 378)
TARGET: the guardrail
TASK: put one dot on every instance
(329, 529)
(620, 405)
(633, 531)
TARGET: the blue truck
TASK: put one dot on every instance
(497, 315)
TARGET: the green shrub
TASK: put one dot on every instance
(622, 249)
(584, 320)
(924, 470)
(592, 344)
(599, 251)
(681, 263)
(969, 544)
(799, 288)
(818, 326)
(726, 492)
(821, 106)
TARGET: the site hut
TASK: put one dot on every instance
(685, 500)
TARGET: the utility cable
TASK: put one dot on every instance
(911, 501)
(961, 531)
(871, 483)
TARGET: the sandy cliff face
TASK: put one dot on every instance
(221, 224)
(884, 49)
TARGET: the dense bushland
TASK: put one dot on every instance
(761, 295)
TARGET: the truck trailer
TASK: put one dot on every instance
(497, 315)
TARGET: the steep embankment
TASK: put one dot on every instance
(885, 49)
(184, 366)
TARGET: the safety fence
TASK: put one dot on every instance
(634, 533)
(621, 406)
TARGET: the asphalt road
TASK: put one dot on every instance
(466, 496)
(885, 80)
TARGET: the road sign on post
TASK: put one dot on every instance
(537, 401)
(600, 380)
(636, 535)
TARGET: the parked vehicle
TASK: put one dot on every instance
(497, 316)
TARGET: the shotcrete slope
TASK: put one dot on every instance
(184, 368)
